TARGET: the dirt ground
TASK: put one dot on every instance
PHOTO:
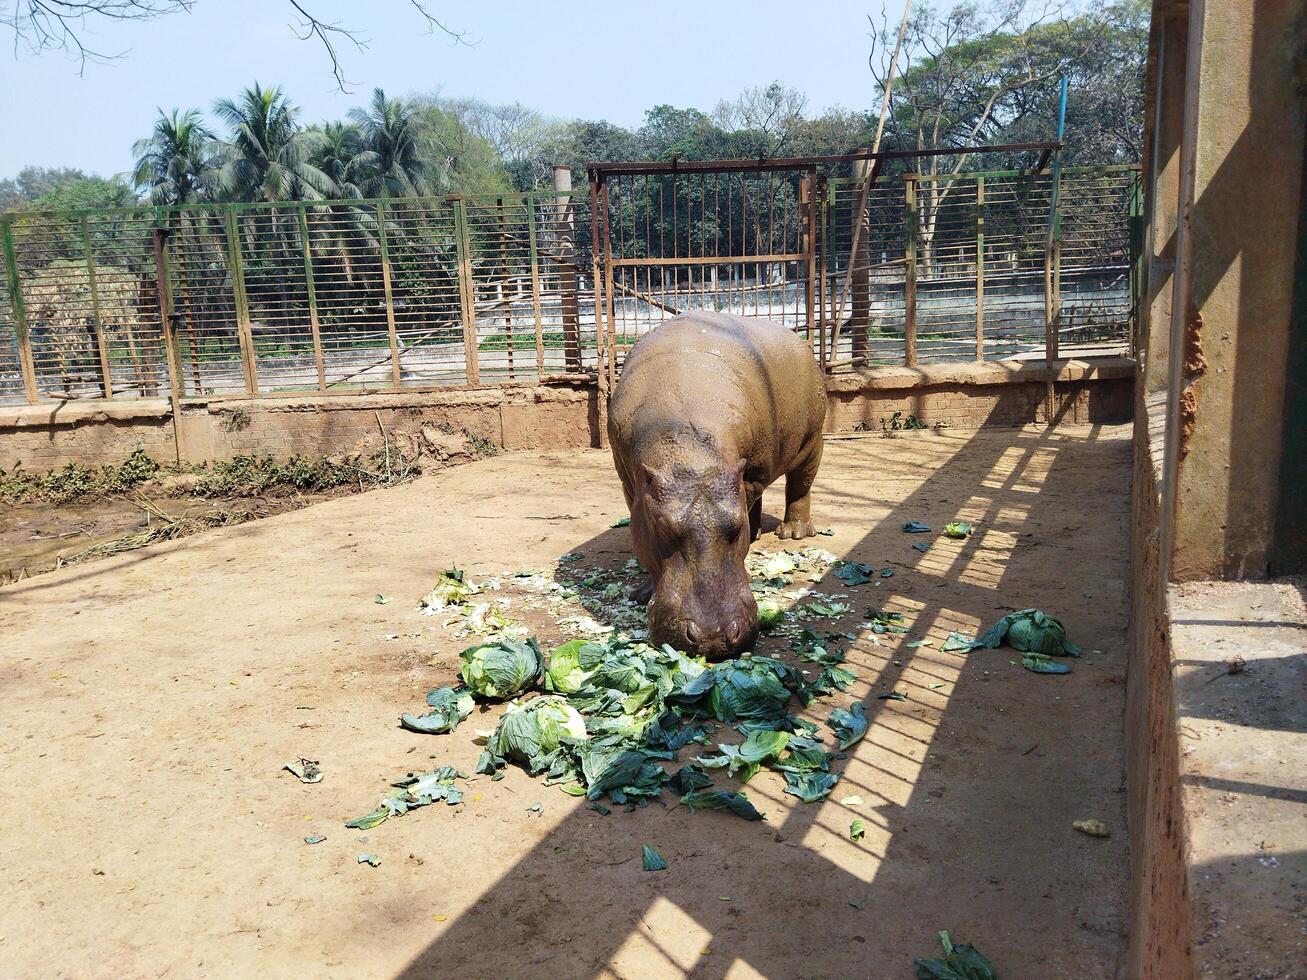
(37, 537)
(152, 698)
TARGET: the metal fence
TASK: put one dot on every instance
(377, 295)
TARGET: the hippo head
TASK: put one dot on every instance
(697, 518)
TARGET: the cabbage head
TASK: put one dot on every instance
(1030, 631)
(530, 734)
(769, 613)
(747, 689)
(501, 667)
(565, 674)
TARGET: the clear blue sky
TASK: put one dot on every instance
(591, 60)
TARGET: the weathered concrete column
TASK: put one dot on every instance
(567, 275)
(1233, 298)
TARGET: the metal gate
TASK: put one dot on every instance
(730, 236)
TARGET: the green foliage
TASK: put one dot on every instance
(249, 476)
(74, 480)
(86, 192)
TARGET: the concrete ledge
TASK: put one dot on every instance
(988, 373)
(77, 412)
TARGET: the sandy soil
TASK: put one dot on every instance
(152, 698)
(37, 537)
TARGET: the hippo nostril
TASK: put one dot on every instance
(734, 632)
(692, 633)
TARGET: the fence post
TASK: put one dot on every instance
(466, 293)
(19, 312)
(1135, 220)
(171, 360)
(980, 268)
(535, 282)
(860, 276)
(910, 270)
(106, 380)
(244, 334)
(311, 290)
(1053, 274)
(505, 283)
(601, 374)
(564, 218)
(391, 331)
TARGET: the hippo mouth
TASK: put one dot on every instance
(714, 637)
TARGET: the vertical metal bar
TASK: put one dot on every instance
(391, 330)
(1052, 268)
(18, 310)
(106, 379)
(980, 268)
(244, 335)
(466, 294)
(535, 282)
(910, 270)
(819, 229)
(311, 289)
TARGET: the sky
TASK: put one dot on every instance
(578, 59)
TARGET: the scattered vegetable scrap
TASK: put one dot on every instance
(1094, 828)
(853, 572)
(916, 527)
(314, 839)
(960, 962)
(448, 707)
(957, 529)
(652, 860)
(371, 859)
(623, 522)
(857, 830)
(305, 770)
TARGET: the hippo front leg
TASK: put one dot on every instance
(798, 499)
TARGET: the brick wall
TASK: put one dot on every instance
(550, 416)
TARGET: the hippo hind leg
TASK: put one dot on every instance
(755, 519)
(798, 499)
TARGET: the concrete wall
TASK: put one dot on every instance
(555, 416)
(1160, 927)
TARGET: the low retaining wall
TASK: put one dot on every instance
(558, 416)
(1161, 920)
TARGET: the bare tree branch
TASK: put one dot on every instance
(65, 25)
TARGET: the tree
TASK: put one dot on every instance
(338, 156)
(175, 164)
(267, 156)
(34, 182)
(970, 75)
(61, 25)
(775, 113)
(86, 192)
(396, 157)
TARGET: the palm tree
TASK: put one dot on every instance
(176, 161)
(268, 156)
(395, 152)
(339, 157)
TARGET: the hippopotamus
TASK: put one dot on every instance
(710, 410)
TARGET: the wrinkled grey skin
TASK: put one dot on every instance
(709, 411)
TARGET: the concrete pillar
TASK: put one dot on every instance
(567, 271)
(1240, 179)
